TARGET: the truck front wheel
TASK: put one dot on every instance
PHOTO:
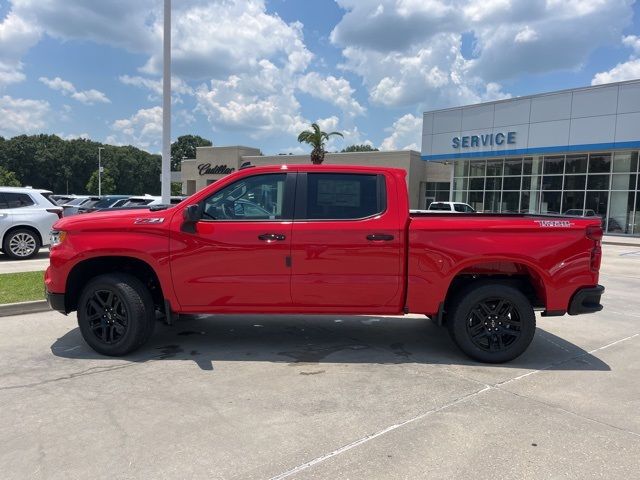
(491, 322)
(115, 314)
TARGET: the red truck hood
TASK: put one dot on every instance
(115, 219)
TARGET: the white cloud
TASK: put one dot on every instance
(178, 87)
(142, 129)
(75, 136)
(19, 116)
(334, 90)
(405, 134)
(409, 52)
(17, 36)
(629, 70)
(88, 97)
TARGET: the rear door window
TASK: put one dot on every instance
(339, 196)
(17, 200)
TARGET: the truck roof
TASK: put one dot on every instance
(324, 167)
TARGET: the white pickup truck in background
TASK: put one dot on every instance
(447, 207)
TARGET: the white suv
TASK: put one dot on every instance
(26, 218)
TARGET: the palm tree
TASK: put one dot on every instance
(316, 138)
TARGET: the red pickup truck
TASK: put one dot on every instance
(322, 240)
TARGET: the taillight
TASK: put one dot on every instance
(57, 211)
(594, 232)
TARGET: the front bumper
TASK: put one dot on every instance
(586, 300)
(56, 301)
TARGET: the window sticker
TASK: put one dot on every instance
(339, 193)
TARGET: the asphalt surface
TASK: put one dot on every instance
(248, 397)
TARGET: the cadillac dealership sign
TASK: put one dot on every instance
(489, 139)
(207, 169)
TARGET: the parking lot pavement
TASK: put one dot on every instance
(249, 397)
(39, 262)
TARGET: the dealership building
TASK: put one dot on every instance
(572, 151)
(567, 152)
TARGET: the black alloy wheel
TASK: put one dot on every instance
(107, 316)
(491, 322)
(116, 314)
(494, 324)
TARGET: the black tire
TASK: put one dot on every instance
(21, 244)
(116, 314)
(491, 322)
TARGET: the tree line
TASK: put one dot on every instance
(52, 163)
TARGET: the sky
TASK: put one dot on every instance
(258, 72)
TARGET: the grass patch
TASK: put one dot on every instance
(21, 287)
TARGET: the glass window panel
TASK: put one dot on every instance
(461, 168)
(526, 166)
(510, 202)
(460, 196)
(494, 183)
(342, 196)
(531, 183)
(536, 166)
(621, 212)
(494, 168)
(511, 183)
(460, 183)
(598, 182)
(553, 182)
(476, 200)
(636, 217)
(529, 202)
(573, 203)
(477, 168)
(623, 181)
(492, 201)
(600, 163)
(513, 166)
(576, 164)
(476, 184)
(442, 196)
(625, 162)
(554, 165)
(260, 197)
(550, 202)
(575, 182)
(597, 201)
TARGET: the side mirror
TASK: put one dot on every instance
(193, 213)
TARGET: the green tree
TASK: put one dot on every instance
(8, 178)
(359, 148)
(316, 138)
(108, 186)
(185, 147)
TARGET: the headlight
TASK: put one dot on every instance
(56, 237)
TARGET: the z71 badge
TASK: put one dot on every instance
(139, 221)
(555, 223)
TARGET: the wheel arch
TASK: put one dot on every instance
(31, 228)
(517, 274)
(84, 271)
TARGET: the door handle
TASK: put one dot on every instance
(271, 237)
(377, 237)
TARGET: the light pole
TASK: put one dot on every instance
(165, 184)
(100, 171)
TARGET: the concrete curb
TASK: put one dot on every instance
(21, 308)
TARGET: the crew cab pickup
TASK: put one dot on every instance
(322, 240)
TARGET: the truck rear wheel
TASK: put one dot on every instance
(491, 322)
(115, 314)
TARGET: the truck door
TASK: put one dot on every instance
(346, 243)
(238, 254)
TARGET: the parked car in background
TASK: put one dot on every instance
(26, 218)
(579, 212)
(450, 207)
(148, 200)
(71, 207)
(104, 202)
